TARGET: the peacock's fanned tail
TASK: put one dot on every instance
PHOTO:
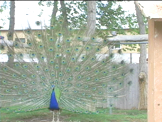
(82, 73)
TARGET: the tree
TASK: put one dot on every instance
(11, 33)
(142, 63)
(54, 12)
(113, 18)
(91, 18)
(64, 14)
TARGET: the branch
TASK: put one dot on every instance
(121, 38)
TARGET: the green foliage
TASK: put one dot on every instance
(77, 13)
(109, 14)
(4, 6)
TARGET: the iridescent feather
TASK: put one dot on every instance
(82, 74)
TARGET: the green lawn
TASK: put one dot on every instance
(45, 115)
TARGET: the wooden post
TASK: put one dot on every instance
(130, 58)
(155, 71)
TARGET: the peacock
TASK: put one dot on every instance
(61, 69)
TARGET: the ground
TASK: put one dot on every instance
(66, 116)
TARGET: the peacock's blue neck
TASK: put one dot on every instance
(53, 101)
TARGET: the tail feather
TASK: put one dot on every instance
(76, 65)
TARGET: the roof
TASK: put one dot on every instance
(150, 9)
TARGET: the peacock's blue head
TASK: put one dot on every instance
(53, 86)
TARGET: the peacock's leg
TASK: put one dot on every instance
(53, 117)
(58, 113)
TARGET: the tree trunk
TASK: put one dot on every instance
(91, 18)
(55, 9)
(11, 33)
(64, 13)
(142, 64)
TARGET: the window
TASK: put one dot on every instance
(20, 39)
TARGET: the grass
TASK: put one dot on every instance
(45, 115)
